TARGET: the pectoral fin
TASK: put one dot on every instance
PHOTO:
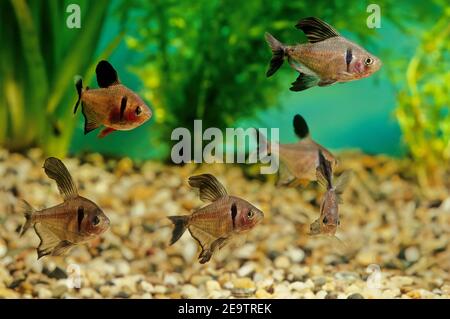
(206, 254)
(56, 170)
(106, 131)
(62, 248)
(210, 188)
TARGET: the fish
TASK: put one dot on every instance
(112, 105)
(224, 217)
(298, 161)
(327, 58)
(76, 220)
(328, 220)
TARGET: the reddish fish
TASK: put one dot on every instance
(327, 58)
(212, 226)
(76, 220)
(298, 161)
(113, 105)
(328, 220)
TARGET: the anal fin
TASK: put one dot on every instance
(90, 120)
(285, 177)
(49, 241)
(325, 82)
(303, 82)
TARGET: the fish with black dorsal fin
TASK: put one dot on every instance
(112, 105)
(76, 220)
(327, 58)
(298, 161)
(215, 224)
(328, 220)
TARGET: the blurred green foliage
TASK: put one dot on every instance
(207, 59)
(423, 109)
(38, 60)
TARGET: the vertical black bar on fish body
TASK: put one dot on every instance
(80, 216)
(348, 58)
(123, 105)
(233, 213)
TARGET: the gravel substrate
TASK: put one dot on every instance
(395, 240)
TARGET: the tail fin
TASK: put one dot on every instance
(28, 213)
(262, 142)
(278, 54)
(181, 223)
(79, 87)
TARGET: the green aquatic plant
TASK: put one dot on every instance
(423, 108)
(207, 59)
(38, 59)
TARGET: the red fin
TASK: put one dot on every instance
(106, 131)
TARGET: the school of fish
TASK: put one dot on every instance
(327, 58)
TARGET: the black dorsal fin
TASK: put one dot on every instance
(106, 74)
(324, 172)
(316, 30)
(301, 129)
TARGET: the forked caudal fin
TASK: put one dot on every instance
(28, 213)
(278, 54)
(79, 87)
(181, 223)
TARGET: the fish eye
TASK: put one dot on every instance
(325, 220)
(95, 221)
(339, 222)
(368, 61)
(250, 214)
(138, 110)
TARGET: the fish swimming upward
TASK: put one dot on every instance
(328, 220)
(298, 161)
(113, 105)
(327, 58)
(213, 225)
(76, 220)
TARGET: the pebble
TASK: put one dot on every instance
(412, 254)
(277, 260)
(355, 296)
(246, 269)
(296, 255)
(243, 283)
(212, 285)
(44, 293)
(282, 262)
(190, 291)
(262, 294)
